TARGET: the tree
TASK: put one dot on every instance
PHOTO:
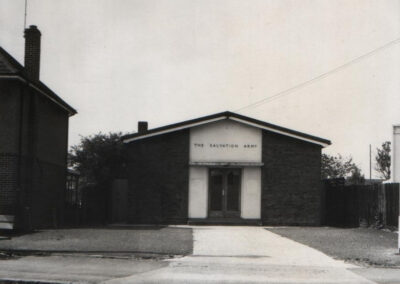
(340, 167)
(356, 177)
(382, 159)
(99, 158)
(336, 166)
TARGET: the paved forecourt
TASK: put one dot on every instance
(233, 254)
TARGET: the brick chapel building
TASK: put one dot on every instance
(223, 168)
(33, 142)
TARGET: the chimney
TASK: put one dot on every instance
(142, 126)
(32, 52)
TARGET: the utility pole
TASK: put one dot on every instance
(370, 163)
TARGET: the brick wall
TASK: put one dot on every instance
(9, 116)
(8, 183)
(291, 181)
(9, 132)
(44, 137)
(158, 177)
(51, 132)
(49, 165)
(46, 201)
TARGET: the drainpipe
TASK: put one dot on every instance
(18, 220)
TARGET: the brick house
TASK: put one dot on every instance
(223, 168)
(33, 142)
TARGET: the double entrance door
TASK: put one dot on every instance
(224, 192)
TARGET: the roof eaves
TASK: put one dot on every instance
(280, 128)
(58, 99)
(225, 115)
(20, 73)
(174, 127)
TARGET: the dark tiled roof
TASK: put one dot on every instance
(10, 66)
(228, 114)
(4, 69)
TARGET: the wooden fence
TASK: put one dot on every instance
(361, 205)
(392, 204)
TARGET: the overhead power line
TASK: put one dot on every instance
(319, 77)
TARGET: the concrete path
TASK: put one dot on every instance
(223, 254)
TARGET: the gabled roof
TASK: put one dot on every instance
(12, 69)
(226, 115)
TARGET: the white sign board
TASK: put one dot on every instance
(225, 141)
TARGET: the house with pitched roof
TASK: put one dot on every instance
(224, 168)
(33, 142)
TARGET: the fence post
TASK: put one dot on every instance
(383, 204)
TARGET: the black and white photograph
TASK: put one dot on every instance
(199, 141)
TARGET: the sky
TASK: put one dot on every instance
(162, 61)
